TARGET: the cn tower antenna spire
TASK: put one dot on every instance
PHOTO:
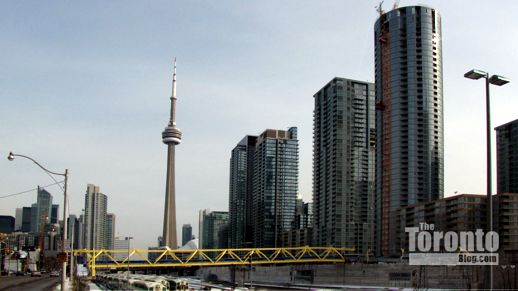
(172, 121)
(171, 136)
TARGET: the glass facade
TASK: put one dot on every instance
(95, 218)
(213, 230)
(26, 219)
(6, 224)
(110, 231)
(275, 185)
(303, 215)
(409, 116)
(343, 165)
(507, 157)
(55, 214)
(263, 188)
(240, 193)
(186, 233)
(43, 210)
(75, 231)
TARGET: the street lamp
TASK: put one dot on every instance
(11, 157)
(249, 245)
(499, 81)
(128, 238)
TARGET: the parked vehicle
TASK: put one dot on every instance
(36, 274)
(54, 274)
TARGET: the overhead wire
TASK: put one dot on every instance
(52, 177)
(27, 191)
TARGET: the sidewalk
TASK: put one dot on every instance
(68, 286)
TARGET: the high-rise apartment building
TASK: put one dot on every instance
(186, 233)
(409, 115)
(201, 222)
(160, 241)
(95, 218)
(110, 231)
(26, 219)
(343, 165)
(42, 212)
(54, 214)
(240, 196)
(275, 185)
(302, 227)
(52, 235)
(263, 188)
(83, 222)
(75, 231)
(507, 157)
(71, 223)
(212, 224)
(18, 218)
(34, 218)
(303, 215)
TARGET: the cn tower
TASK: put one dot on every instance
(171, 136)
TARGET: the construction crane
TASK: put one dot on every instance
(396, 4)
(380, 9)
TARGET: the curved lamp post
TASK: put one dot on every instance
(11, 157)
(128, 238)
(499, 81)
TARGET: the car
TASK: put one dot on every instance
(36, 274)
(54, 274)
(20, 273)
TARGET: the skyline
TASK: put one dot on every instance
(84, 87)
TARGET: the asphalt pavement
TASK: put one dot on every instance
(43, 283)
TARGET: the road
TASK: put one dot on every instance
(13, 283)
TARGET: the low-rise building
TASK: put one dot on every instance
(466, 212)
(121, 245)
(6, 224)
(505, 219)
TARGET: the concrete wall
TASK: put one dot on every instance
(383, 275)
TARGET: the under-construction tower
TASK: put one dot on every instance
(409, 116)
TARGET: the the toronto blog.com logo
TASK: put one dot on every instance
(427, 246)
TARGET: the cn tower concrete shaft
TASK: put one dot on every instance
(171, 136)
(169, 234)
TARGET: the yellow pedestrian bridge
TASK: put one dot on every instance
(137, 258)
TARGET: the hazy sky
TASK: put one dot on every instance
(85, 85)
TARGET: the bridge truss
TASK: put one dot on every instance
(137, 258)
